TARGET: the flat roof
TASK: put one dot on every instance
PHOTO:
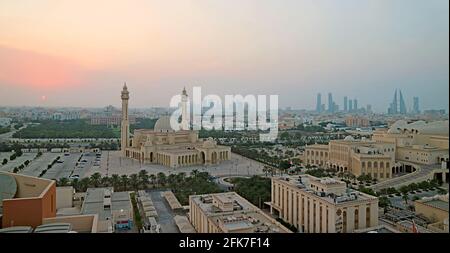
(93, 202)
(437, 203)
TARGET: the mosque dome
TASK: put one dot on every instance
(209, 143)
(163, 125)
(349, 138)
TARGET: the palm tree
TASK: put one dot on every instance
(161, 178)
(405, 197)
(84, 184)
(62, 182)
(95, 179)
(134, 181)
(104, 181)
(75, 184)
(125, 181)
(115, 181)
(152, 178)
(143, 178)
(194, 173)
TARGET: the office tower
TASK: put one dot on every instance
(350, 105)
(330, 103)
(393, 106)
(402, 104)
(319, 103)
(355, 104)
(416, 108)
(369, 109)
(345, 104)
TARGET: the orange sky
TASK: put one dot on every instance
(60, 48)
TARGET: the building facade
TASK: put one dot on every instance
(168, 147)
(323, 205)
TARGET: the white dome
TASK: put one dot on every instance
(393, 131)
(163, 124)
(349, 138)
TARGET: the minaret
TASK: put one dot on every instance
(125, 127)
(184, 110)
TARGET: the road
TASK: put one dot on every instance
(422, 172)
(165, 213)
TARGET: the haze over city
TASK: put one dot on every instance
(67, 53)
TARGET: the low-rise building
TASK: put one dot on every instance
(26, 200)
(114, 209)
(230, 213)
(435, 209)
(322, 205)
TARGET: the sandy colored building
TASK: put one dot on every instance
(229, 213)
(357, 121)
(436, 210)
(316, 154)
(29, 200)
(322, 205)
(167, 147)
(32, 202)
(399, 149)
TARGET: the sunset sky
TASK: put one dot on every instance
(79, 53)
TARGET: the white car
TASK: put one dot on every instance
(74, 177)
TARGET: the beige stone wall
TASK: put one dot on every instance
(315, 215)
(432, 213)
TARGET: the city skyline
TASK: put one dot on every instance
(294, 49)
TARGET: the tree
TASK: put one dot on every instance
(143, 179)
(5, 161)
(134, 181)
(115, 181)
(125, 182)
(161, 178)
(63, 182)
(95, 179)
(152, 178)
(384, 203)
(405, 197)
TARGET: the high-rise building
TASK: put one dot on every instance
(125, 127)
(402, 104)
(350, 105)
(319, 103)
(416, 108)
(345, 104)
(355, 104)
(330, 103)
(369, 108)
(393, 107)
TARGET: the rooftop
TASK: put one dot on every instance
(335, 192)
(244, 216)
(94, 202)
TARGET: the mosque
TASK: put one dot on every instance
(167, 147)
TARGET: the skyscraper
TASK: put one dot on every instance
(345, 104)
(416, 108)
(350, 105)
(330, 103)
(393, 106)
(355, 104)
(319, 103)
(402, 104)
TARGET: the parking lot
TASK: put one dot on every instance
(68, 165)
